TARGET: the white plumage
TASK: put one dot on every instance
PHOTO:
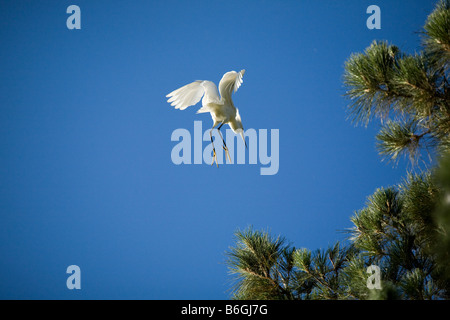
(220, 107)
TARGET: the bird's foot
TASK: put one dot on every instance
(215, 158)
(227, 154)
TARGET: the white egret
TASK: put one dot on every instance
(220, 107)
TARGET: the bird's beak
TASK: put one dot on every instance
(243, 138)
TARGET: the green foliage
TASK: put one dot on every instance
(442, 219)
(411, 90)
(267, 268)
(262, 266)
(399, 138)
(403, 229)
(367, 77)
(323, 270)
(375, 226)
(397, 231)
(437, 37)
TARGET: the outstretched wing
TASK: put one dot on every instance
(191, 94)
(231, 81)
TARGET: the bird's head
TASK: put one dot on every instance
(241, 132)
(238, 127)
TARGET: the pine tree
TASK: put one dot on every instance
(397, 231)
(403, 229)
(409, 93)
(269, 268)
(262, 266)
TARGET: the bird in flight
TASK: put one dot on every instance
(220, 107)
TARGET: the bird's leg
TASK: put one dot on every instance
(224, 144)
(214, 149)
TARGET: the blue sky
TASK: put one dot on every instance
(86, 175)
